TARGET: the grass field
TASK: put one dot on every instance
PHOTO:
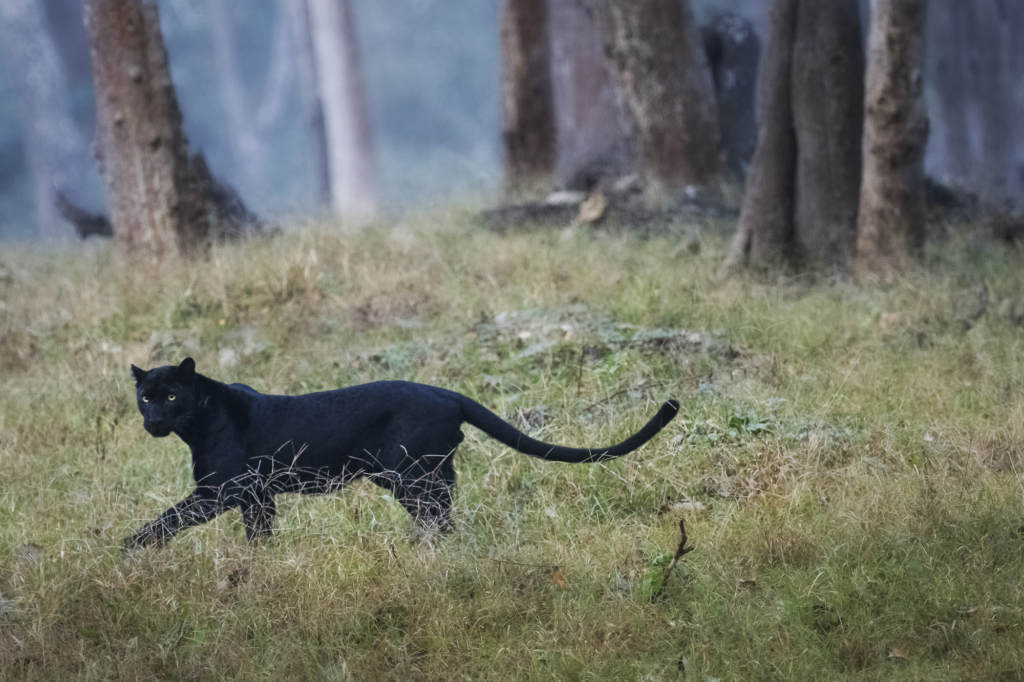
(847, 461)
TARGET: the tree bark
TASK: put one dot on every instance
(662, 74)
(947, 24)
(975, 67)
(56, 152)
(991, 83)
(529, 133)
(250, 126)
(156, 203)
(765, 231)
(890, 229)
(828, 116)
(590, 126)
(298, 15)
(354, 175)
(1015, 22)
(734, 51)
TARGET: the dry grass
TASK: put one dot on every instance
(848, 462)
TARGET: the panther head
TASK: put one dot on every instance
(166, 397)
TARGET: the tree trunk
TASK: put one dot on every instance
(733, 50)
(57, 155)
(975, 66)
(156, 204)
(765, 231)
(354, 176)
(663, 77)
(591, 130)
(991, 82)
(1016, 21)
(828, 117)
(947, 37)
(890, 226)
(804, 182)
(529, 133)
(298, 15)
(250, 126)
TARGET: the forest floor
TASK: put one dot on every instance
(848, 462)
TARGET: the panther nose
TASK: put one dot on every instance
(156, 423)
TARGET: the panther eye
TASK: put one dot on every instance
(170, 397)
(145, 399)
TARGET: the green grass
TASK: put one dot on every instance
(847, 461)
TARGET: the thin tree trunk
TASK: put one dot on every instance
(828, 117)
(57, 155)
(350, 149)
(948, 40)
(591, 129)
(890, 228)
(298, 15)
(529, 133)
(765, 231)
(1015, 21)
(662, 73)
(250, 126)
(156, 202)
(991, 82)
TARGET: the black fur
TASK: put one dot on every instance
(247, 447)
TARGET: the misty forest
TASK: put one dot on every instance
(801, 219)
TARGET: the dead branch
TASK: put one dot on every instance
(680, 552)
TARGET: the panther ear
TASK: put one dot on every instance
(139, 374)
(187, 368)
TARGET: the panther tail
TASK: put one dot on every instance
(479, 416)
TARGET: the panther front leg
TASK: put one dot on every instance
(258, 512)
(195, 509)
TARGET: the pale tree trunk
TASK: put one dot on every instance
(155, 200)
(662, 75)
(250, 126)
(57, 154)
(765, 232)
(591, 129)
(890, 229)
(828, 116)
(298, 19)
(529, 133)
(354, 175)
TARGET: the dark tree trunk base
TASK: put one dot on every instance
(229, 217)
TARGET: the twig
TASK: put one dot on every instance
(680, 551)
(579, 374)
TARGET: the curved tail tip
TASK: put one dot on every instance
(668, 411)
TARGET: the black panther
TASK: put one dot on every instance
(247, 447)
